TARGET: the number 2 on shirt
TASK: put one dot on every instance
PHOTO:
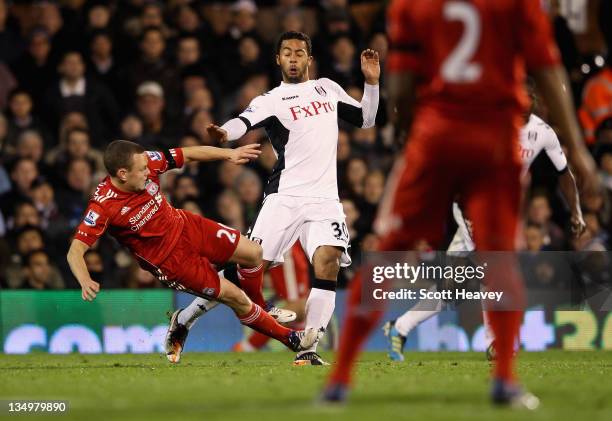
(457, 67)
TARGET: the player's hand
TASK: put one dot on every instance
(578, 225)
(217, 133)
(370, 66)
(244, 154)
(89, 289)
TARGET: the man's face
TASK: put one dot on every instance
(188, 51)
(72, 67)
(102, 46)
(294, 60)
(39, 269)
(24, 174)
(26, 215)
(40, 47)
(153, 45)
(136, 176)
(21, 105)
(78, 144)
(79, 175)
(150, 107)
(30, 145)
(29, 241)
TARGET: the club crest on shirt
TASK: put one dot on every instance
(152, 188)
(91, 218)
(154, 156)
(320, 90)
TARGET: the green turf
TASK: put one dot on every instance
(430, 386)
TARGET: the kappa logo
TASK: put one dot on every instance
(125, 210)
(320, 90)
(287, 98)
(91, 218)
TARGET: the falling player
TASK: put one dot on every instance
(178, 247)
(535, 136)
(301, 197)
(470, 60)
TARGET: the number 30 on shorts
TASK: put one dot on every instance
(340, 231)
(224, 232)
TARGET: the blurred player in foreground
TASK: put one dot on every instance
(469, 61)
(178, 247)
(535, 136)
(301, 201)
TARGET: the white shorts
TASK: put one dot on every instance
(462, 241)
(282, 220)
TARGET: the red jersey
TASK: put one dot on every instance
(470, 55)
(144, 222)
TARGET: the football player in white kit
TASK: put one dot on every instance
(536, 136)
(301, 197)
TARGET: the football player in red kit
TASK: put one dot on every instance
(455, 77)
(178, 247)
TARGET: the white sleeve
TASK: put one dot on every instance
(235, 128)
(360, 114)
(555, 151)
(258, 111)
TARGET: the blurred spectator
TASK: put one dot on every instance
(95, 265)
(43, 198)
(352, 183)
(184, 188)
(11, 44)
(23, 173)
(25, 214)
(36, 70)
(26, 240)
(594, 238)
(30, 145)
(188, 51)
(231, 211)
(76, 92)
(158, 130)
(249, 188)
(152, 66)
(198, 122)
(199, 99)
(21, 117)
(39, 273)
(343, 67)
(138, 278)
(540, 213)
(76, 146)
(534, 238)
(131, 128)
(73, 196)
(188, 22)
(244, 20)
(102, 65)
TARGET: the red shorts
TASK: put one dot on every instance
(202, 244)
(443, 160)
(291, 280)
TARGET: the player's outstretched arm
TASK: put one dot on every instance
(553, 84)
(76, 261)
(240, 155)
(370, 66)
(567, 183)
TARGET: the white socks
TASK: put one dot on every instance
(320, 308)
(190, 314)
(420, 312)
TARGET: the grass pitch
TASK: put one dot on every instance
(428, 386)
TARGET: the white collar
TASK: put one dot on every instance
(78, 89)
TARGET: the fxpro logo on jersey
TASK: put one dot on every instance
(313, 109)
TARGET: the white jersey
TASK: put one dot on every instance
(301, 120)
(536, 136)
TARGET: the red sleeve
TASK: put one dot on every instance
(93, 225)
(404, 47)
(167, 159)
(536, 40)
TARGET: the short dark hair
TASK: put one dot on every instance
(119, 154)
(294, 35)
(28, 257)
(77, 130)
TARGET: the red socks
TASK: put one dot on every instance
(259, 320)
(358, 323)
(506, 327)
(251, 282)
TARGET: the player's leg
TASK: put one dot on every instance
(495, 213)
(409, 212)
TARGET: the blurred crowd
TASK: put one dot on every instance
(76, 74)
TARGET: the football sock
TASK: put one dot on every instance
(505, 326)
(258, 340)
(420, 312)
(320, 307)
(358, 324)
(259, 320)
(190, 314)
(251, 282)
